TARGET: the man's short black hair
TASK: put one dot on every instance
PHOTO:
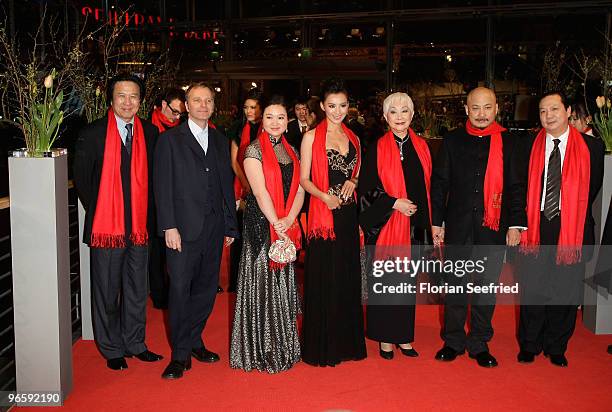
(124, 77)
(301, 100)
(556, 93)
(174, 93)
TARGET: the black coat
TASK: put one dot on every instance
(88, 163)
(597, 151)
(179, 196)
(457, 185)
(294, 135)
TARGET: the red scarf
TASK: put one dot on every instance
(494, 176)
(245, 140)
(274, 186)
(108, 225)
(396, 232)
(320, 219)
(574, 197)
(161, 121)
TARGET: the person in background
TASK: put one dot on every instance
(241, 135)
(164, 117)
(581, 119)
(298, 127)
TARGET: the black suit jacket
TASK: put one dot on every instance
(597, 151)
(457, 186)
(88, 163)
(294, 135)
(179, 195)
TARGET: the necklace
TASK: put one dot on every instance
(400, 145)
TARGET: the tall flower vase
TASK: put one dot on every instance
(41, 271)
(597, 310)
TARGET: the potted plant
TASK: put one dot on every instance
(38, 188)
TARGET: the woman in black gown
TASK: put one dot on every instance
(395, 211)
(242, 133)
(333, 315)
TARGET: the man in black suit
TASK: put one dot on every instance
(476, 215)
(195, 210)
(559, 220)
(116, 152)
(299, 126)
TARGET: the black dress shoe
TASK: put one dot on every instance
(175, 369)
(525, 357)
(408, 352)
(610, 349)
(116, 364)
(558, 360)
(204, 355)
(219, 289)
(447, 354)
(147, 356)
(485, 359)
(385, 354)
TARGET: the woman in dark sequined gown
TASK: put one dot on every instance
(264, 333)
(333, 315)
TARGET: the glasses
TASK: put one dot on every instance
(175, 112)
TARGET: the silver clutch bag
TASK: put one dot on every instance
(282, 251)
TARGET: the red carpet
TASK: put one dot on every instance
(372, 384)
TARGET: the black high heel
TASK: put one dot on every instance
(408, 352)
(385, 354)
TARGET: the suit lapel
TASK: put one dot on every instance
(191, 142)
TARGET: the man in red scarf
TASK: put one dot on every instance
(196, 208)
(164, 117)
(168, 114)
(565, 173)
(473, 203)
(112, 171)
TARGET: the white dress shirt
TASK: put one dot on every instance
(201, 135)
(549, 148)
(122, 130)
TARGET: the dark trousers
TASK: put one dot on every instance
(194, 277)
(483, 245)
(119, 291)
(158, 275)
(550, 296)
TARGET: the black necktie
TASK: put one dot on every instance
(304, 129)
(553, 183)
(128, 138)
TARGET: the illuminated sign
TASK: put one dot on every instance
(138, 20)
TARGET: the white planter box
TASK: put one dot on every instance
(41, 273)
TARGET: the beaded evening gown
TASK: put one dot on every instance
(264, 332)
(333, 314)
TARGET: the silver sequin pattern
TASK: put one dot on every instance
(264, 333)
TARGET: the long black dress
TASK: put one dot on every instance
(333, 314)
(392, 323)
(234, 134)
(264, 332)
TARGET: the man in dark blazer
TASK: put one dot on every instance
(119, 253)
(299, 126)
(463, 210)
(552, 278)
(195, 209)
